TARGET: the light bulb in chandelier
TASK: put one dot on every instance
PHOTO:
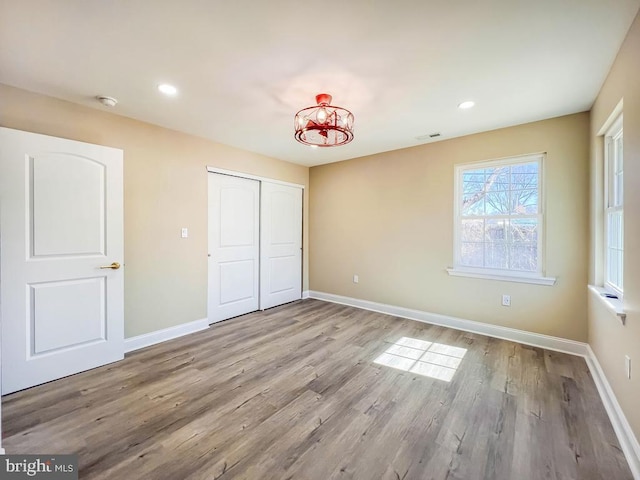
(321, 116)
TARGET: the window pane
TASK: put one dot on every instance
(618, 200)
(496, 255)
(524, 168)
(524, 257)
(473, 187)
(496, 230)
(619, 156)
(472, 230)
(614, 229)
(473, 204)
(524, 230)
(614, 267)
(617, 188)
(472, 254)
(615, 246)
(497, 203)
(616, 172)
(473, 176)
(620, 268)
(497, 179)
(524, 176)
(524, 202)
(612, 271)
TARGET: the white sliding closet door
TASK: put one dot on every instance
(234, 249)
(280, 244)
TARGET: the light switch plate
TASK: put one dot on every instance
(185, 233)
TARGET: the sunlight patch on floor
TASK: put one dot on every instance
(435, 360)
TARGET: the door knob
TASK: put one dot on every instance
(113, 266)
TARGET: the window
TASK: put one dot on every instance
(614, 213)
(499, 219)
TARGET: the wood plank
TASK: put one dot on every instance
(294, 392)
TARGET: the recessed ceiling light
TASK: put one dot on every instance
(467, 104)
(167, 89)
(313, 146)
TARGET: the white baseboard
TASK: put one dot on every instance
(305, 294)
(627, 439)
(148, 339)
(521, 336)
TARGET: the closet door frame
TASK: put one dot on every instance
(277, 182)
(252, 177)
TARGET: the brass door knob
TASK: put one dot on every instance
(113, 266)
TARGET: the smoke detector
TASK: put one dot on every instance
(107, 101)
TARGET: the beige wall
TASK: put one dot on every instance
(165, 188)
(389, 219)
(609, 339)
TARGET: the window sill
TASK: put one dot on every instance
(614, 305)
(503, 277)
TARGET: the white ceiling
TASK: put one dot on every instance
(244, 67)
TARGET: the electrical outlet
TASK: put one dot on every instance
(506, 300)
(185, 233)
(627, 364)
(355, 279)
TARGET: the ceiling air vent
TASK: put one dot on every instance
(427, 137)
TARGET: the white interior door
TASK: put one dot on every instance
(61, 220)
(281, 244)
(234, 247)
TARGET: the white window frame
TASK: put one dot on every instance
(458, 269)
(614, 132)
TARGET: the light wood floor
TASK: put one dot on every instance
(294, 393)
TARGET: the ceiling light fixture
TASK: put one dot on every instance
(324, 125)
(167, 89)
(467, 104)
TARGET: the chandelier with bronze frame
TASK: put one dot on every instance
(324, 125)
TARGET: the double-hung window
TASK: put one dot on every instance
(614, 209)
(499, 219)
